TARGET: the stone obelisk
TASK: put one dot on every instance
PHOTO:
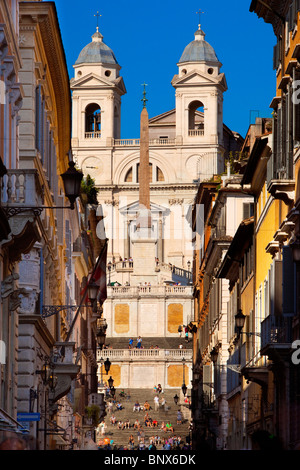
(144, 242)
(144, 216)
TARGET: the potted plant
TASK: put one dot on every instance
(88, 191)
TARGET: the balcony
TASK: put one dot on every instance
(196, 132)
(21, 204)
(93, 135)
(64, 369)
(276, 336)
(136, 142)
(125, 355)
(150, 291)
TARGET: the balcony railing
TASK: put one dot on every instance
(93, 135)
(136, 142)
(19, 188)
(150, 354)
(180, 272)
(276, 331)
(139, 291)
(196, 132)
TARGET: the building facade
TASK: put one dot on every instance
(260, 265)
(186, 145)
(281, 310)
(47, 250)
(11, 97)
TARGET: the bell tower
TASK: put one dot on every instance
(199, 87)
(97, 88)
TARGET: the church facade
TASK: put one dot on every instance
(150, 282)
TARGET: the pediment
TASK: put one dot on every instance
(168, 117)
(93, 80)
(199, 78)
(134, 207)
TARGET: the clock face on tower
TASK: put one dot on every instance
(92, 166)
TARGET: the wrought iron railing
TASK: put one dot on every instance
(276, 330)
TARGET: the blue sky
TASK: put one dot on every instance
(148, 39)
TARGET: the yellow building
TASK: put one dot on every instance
(273, 179)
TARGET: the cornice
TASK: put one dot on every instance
(42, 16)
(164, 187)
(40, 326)
(10, 32)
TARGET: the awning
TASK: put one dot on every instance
(7, 423)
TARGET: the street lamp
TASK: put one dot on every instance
(52, 381)
(214, 355)
(239, 321)
(72, 182)
(101, 332)
(93, 289)
(110, 382)
(107, 365)
(47, 374)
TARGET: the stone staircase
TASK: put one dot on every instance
(120, 437)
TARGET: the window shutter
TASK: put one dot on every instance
(276, 288)
(207, 379)
(288, 281)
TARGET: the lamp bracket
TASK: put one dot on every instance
(12, 211)
(49, 310)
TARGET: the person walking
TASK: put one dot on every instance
(156, 402)
(139, 342)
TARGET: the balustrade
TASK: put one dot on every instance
(19, 188)
(93, 135)
(115, 291)
(196, 132)
(132, 142)
(150, 354)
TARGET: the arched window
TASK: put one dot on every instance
(159, 174)
(155, 174)
(93, 121)
(128, 177)
(196, 118)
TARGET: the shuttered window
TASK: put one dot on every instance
(288, 281)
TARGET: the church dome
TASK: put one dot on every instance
(199, 50)
(96, 52)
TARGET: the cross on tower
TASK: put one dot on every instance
(98, 16)
(144, 99)
(199, 12)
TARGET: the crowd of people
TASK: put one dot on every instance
(154, 443)
(163, 437)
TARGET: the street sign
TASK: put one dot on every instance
(28, 417)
